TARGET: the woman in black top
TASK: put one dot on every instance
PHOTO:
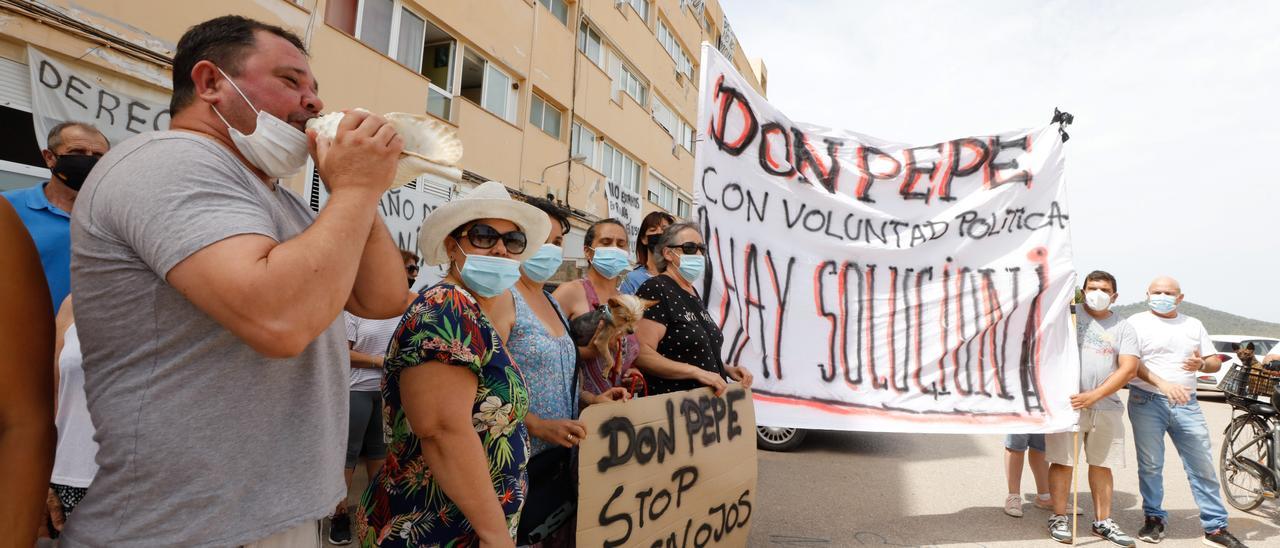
(679, 342)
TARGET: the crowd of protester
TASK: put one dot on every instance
(232, 357)
(1158, 354)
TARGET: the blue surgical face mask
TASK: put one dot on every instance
(1162, 304)
(610, 261)
(543, 264)
(692, 266)
(489, 276)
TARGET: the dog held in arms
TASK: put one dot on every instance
(617, 316)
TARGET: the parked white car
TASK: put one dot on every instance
(1226, 346)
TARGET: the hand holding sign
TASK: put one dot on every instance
(740, 374)
(671, 470)
(712, 380)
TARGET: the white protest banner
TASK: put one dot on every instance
(403, 210)
(61, 92)
(873, 285)
(668, 471)
(624, 205)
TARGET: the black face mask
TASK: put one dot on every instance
(411, 280)
(74, 168)
(651, 241)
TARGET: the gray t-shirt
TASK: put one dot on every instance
(1102, 342)
(202, 440)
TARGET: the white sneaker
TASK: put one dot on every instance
(1013, 505)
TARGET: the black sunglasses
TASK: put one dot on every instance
(689, 248)
(412, 269)
(485, 237)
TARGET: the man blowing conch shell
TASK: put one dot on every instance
(208, 300)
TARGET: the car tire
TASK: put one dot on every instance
(771, 438)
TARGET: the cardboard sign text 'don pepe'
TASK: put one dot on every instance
(670, 471)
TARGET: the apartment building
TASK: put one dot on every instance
(551, 97)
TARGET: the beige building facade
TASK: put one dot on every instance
(551, 97)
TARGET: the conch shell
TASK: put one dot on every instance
(430, 146)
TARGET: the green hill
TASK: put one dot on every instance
(1215, 321)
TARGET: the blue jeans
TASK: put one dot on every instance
(1152, 415)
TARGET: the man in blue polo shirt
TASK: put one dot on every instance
(74, 148)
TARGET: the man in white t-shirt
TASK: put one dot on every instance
(1173, 348)
(368, 341)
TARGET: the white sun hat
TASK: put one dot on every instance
(490, 200)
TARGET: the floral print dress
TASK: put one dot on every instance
(547, 363)
(404, 505)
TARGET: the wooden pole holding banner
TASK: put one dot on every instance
(1075, 482)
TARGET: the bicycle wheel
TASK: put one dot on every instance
(1244, 449)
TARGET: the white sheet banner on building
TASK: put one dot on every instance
(873, 285)
(62, 92)
(403, 210)
(624, 205)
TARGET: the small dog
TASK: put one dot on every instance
(1263, 379)
(1246, 355)
(618, 316)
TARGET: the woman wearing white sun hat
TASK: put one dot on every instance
(455, 400)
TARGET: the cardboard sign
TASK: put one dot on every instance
(402, 209)
(877, 285)
(668, 471)
(624, 205)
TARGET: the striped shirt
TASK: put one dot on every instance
(370, 337)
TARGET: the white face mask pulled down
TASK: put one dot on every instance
(275, 147)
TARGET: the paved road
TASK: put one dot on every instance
(890, 490)
(868, 489)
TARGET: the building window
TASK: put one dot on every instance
(683, 208)
(685, 136)
(590, 44)
(558, 8)
(620, 168)
(341, 15)
(661, 193)
(439, 57)
(583, 141)
(488, 86)
(375, 23)
(641, 7)
(545, 116)
(413, 30)
(673, 47)
(418, 44)
(626, 79)
(665, 116)
(680, 130)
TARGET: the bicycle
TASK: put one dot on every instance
(1248, 463)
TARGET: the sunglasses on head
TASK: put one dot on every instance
(485, 237)
(689, 248)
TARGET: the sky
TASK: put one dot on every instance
(1176, 123)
